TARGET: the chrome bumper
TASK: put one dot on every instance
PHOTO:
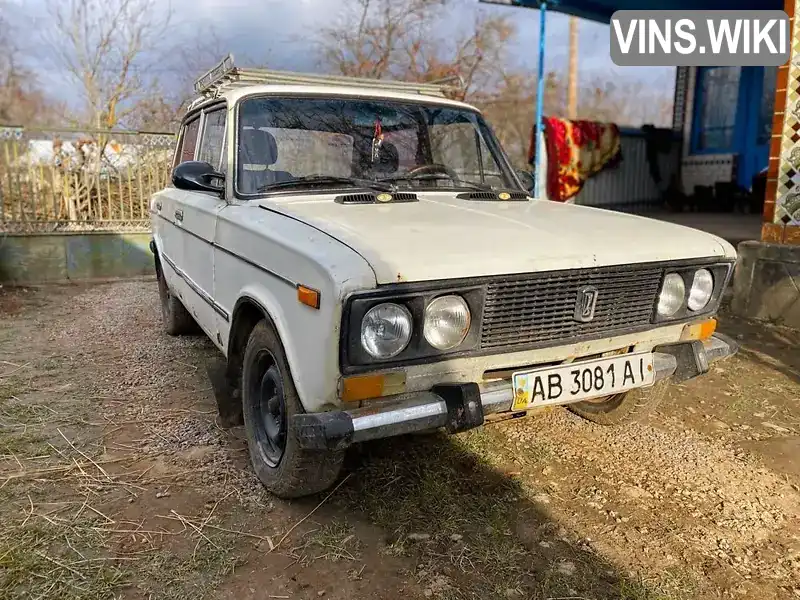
(462, 406)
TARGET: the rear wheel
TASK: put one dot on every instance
(269, 401)
(621, 408)
(176, 319)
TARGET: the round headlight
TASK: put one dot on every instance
(672, 294)
(702, 288)
(386, 330)
(447, 322)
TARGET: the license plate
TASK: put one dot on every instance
(582, 380)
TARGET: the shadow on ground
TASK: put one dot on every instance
(472, 530)
(769, 345)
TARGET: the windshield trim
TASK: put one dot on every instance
(483, 127)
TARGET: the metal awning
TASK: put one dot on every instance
(601, 10)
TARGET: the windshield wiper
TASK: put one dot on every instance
(459, 183)
(327, 180)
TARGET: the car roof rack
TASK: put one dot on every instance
(226, 76)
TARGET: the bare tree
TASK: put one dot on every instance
(380, 45)
(510, 108)
(402, 39)
(21, 102)
(10, 74)
(110, 49)
(628, 103)
(193, 56)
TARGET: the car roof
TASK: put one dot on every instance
(234, 95)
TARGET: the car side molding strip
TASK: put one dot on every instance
(255, 265)
(196, 288)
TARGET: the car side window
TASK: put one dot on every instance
(189, 140)
(212, 143)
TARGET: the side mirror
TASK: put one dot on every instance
(526, 178)
(197, 176)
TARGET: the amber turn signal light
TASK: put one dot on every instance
(308, 296)
(699, 331)
(375, 385)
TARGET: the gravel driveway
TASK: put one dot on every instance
(115, 481)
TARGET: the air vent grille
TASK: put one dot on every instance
(380, 198)
(496, 196)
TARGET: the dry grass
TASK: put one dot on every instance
(58, 553)
(334, 541)
(60, 496)
(62, 541)
(55, 543)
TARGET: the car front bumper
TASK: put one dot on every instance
(459, 407)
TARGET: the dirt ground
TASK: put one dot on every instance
(115, 482)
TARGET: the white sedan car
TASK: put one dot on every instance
(370, 265)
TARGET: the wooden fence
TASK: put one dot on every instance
(70, 179)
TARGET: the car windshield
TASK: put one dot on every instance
(284, 143)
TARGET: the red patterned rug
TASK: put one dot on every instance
(576, 150)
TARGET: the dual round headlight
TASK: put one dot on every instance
(673, 293)
(386, 328)
(701, 290)
(447, 322)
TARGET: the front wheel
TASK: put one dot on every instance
(269, 401)
(621, 408)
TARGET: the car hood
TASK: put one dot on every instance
(443, 237)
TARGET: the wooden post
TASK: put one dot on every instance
(572, 85)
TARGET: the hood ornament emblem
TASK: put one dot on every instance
(585, 304)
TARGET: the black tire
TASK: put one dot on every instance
(269, 401)
(226, 393)
(176, 319)
(621, 408)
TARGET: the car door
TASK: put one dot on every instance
(198, 221)
(167, 207)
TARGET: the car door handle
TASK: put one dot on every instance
(158, 204)
(179, 215)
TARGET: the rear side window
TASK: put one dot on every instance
(189, 141)
(213, 142)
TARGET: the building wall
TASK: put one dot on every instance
(701, 169)
(630, 186)
(782, 202)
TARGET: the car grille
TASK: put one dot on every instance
(530, 309)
